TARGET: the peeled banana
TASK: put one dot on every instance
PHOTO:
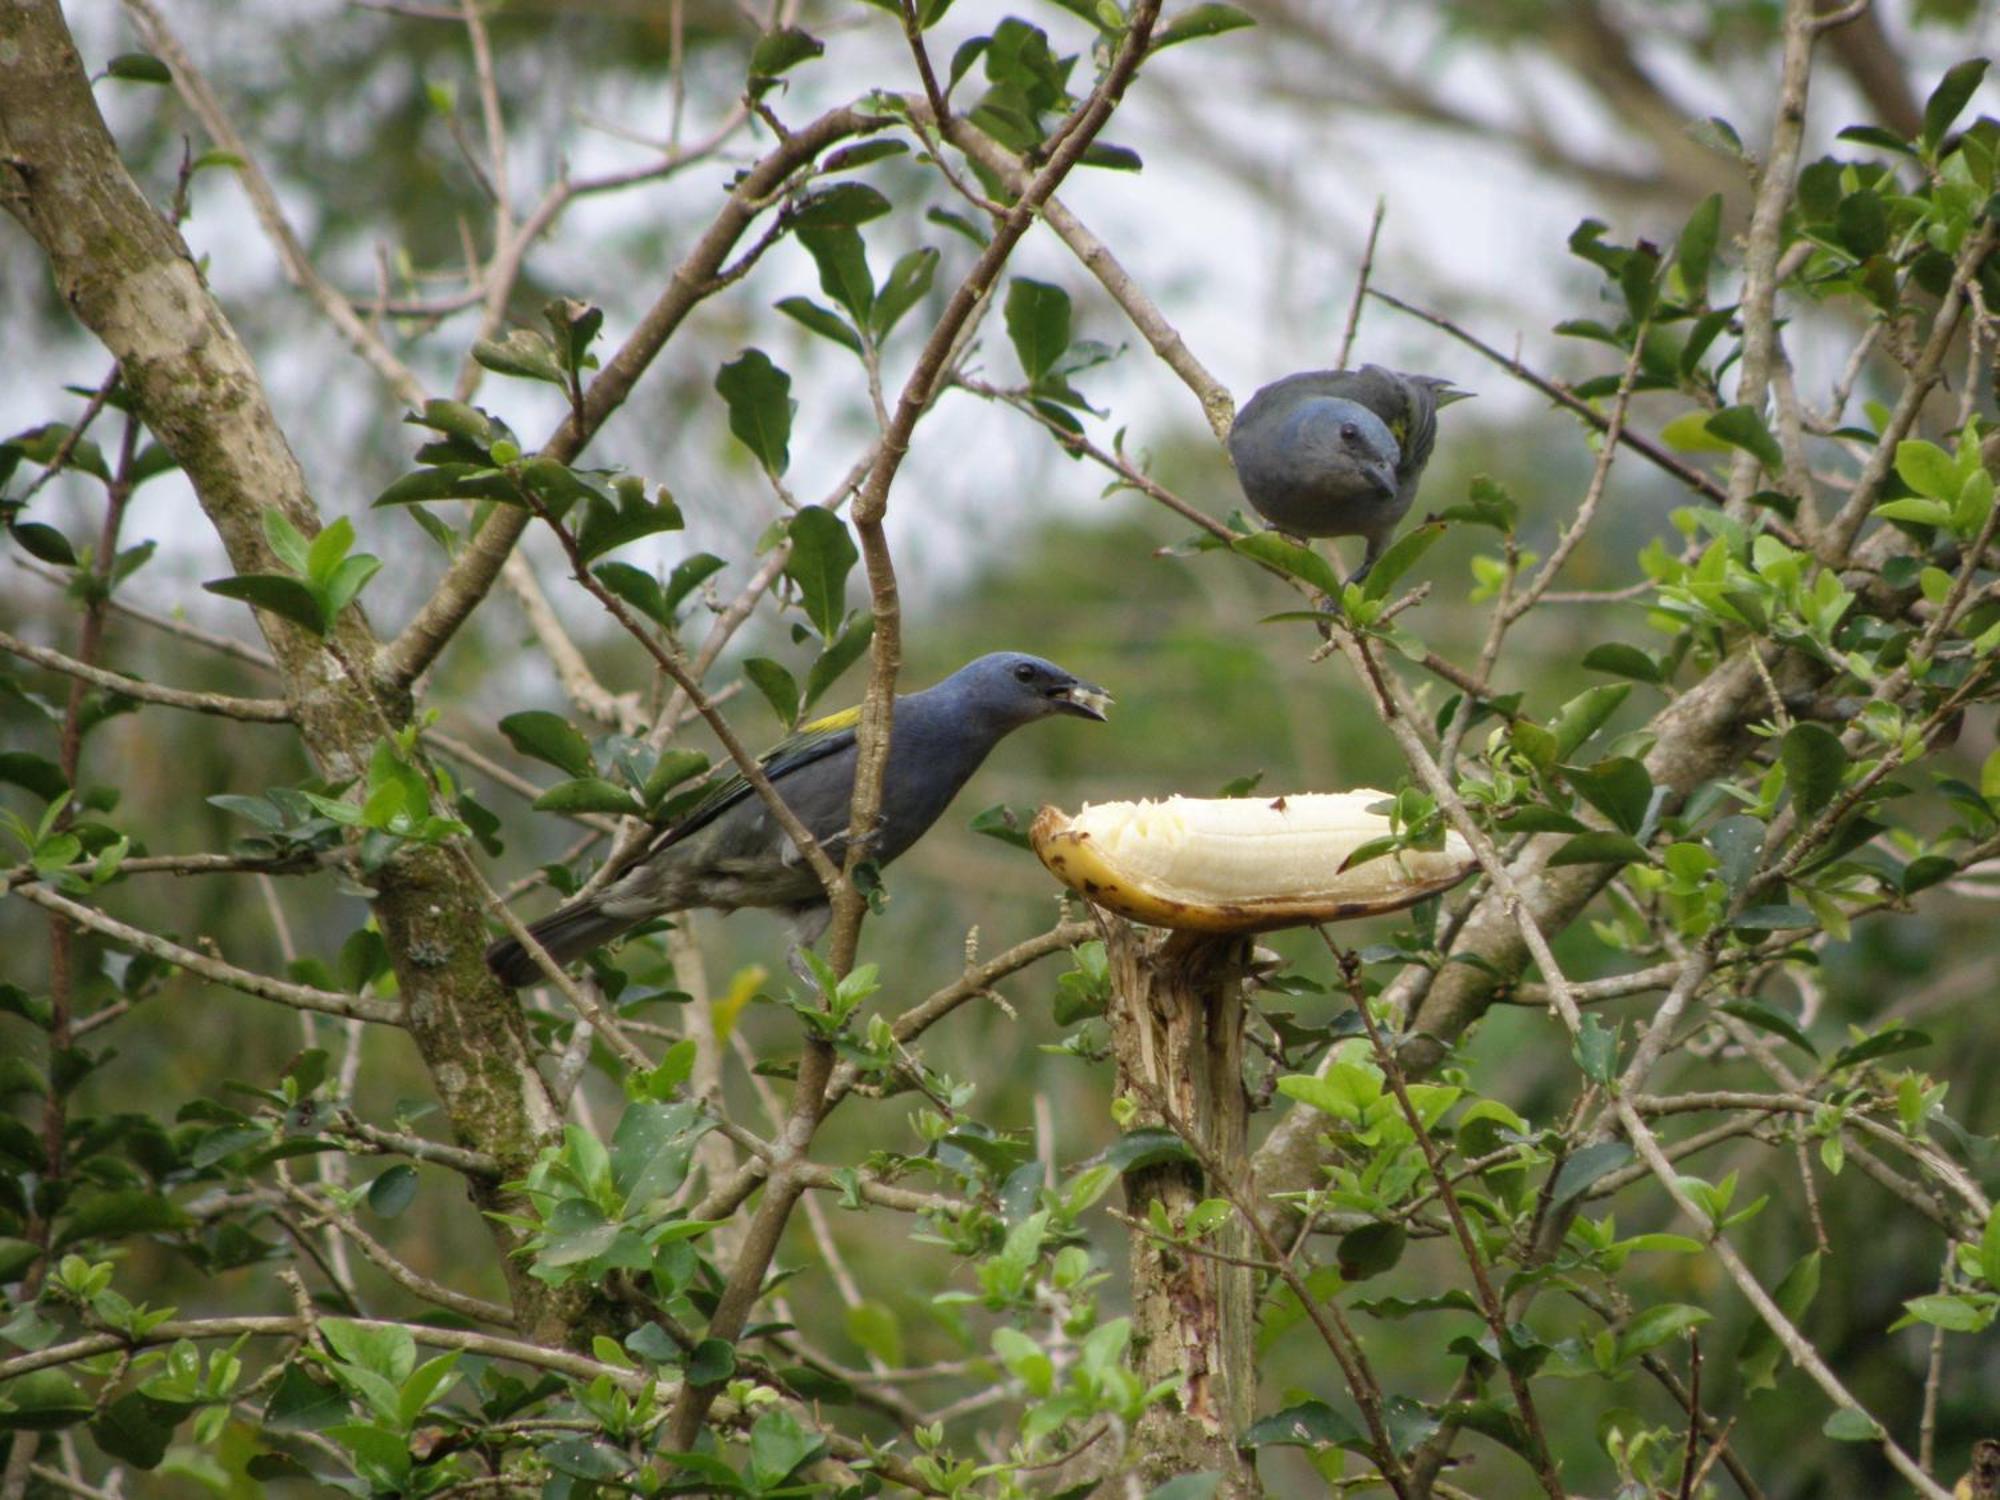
(1240, 864)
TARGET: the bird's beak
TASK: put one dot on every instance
(1084, 699)
(1385, 479)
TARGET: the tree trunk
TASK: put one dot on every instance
(1177, 1031)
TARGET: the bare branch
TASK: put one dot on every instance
(299, 996)
(222, 705)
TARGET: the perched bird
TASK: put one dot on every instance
(1338, 452)
(728, 851)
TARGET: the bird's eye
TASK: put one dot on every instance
(1349, 431)
(1024, 673)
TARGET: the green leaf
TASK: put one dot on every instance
(394, 1191)
(1656, 1325)
(551, 738)
(1038, 321)
(93, 1213)
(1621, 660)
(1585, 714)
(779, 1443)
(1743, 427)
(908, 281)
(1688, 433)
(760, 407)
(1927, 469)
(1186, 1487)
(1852, 1425)
(823, 321)
(608, 525)
(589, 794)
(1370, 1250)
(713, 1361)
(1596, 1050)
(777, 685)
(1148, 1146)
(1950, 97)
(1696, 252)
(1303, 563)
(1600, 847)
(1619, 787)
(42, 1401)
(1309, 1424)
(842, 206)
(637, 588)
(137, 1428)
(283, 596)
(1953, 1313)
(842, 259)
(1895, 1039)
(669, 771)
(1757, 1358)
(1200, 21)
(1765, 1018)
(689, 575)
(44, 543)
(139, 67)
(833, 662)
(823, 553)
(1585, 1167)
(524, 353)
(1814, 762)
(1400, 556)
(778, 52)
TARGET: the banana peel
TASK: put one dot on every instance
(1240, 864)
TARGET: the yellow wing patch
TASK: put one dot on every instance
(847, 718)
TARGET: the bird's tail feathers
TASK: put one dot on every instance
(567, 934)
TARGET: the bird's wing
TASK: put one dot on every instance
(812, 742)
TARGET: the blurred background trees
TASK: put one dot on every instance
(1486, 130)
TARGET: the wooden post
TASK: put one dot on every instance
(1176, 1018)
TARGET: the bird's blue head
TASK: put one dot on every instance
(1013, 688)
(1346, 439)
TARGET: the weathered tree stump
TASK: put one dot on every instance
(1176, 1015)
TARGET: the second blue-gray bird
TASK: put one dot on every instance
(1339, 452)
(728, 851)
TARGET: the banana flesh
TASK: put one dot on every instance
(1240, 864)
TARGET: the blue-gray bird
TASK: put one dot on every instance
(1339, 452)
(728, 851)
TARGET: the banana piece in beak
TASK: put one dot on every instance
(1240, 864)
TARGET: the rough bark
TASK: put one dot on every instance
(1177, 1032)
(127, 274)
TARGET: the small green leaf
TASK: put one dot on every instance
(1400, 556)
(777, 685)
(1303, 563)
(823, 553)
(284, 596)
(1585, 1168)
(43, 542)
(907, 282)
(1621, 660)
(551, 738)
(760, 407)
(1949, 98)
(1596, 1050)
(823, 321)
(1743, 427)
(1852, 1425)
(842, 206)
(138, 67)
(842, 259)
(1309, 1424)
(778, 52)
(1696, 252)
(1199, 21)
(1927, 469)
(1656, 1325)
(589, 794)
(1038, 322)
(1814, 762)
(524, 353)
(834, 661)
(394, 1191)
